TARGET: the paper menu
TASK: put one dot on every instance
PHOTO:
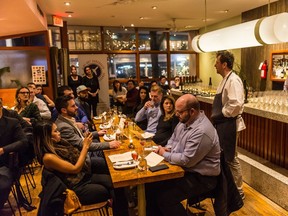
(120, 157)
(153, 159)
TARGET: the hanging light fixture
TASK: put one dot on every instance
(268, 30)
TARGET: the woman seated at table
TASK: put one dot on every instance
(119, 93)
(69, 164)
(167, 121)
(143, 97)
(25, 108)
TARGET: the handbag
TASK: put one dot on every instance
(71, 203)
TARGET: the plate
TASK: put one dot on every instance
(124, 165)
(109, 138)
(104, 126)
(97, 117)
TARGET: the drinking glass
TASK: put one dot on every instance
(135, 155)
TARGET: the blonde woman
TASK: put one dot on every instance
(167, 121)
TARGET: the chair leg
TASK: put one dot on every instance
(13, 190)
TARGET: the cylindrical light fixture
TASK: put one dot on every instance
(268, 30)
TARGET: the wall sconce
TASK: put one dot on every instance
(268, 30)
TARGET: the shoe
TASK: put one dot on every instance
(27, 207)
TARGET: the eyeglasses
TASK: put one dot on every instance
(24, 93)
(181, 112)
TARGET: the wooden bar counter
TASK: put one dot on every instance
(266, 133)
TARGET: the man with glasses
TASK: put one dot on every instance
(194, 146)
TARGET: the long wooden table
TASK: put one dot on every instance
(128, 177)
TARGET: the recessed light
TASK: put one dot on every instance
(67, 3)
(154, 7)
(69, 15)
(132, 25)
(141, 18)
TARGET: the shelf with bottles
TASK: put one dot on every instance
(279, 66)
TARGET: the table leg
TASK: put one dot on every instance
(141, 200)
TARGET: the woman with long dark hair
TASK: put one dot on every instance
(167, 121)
(90, 80)
(143, 97)
(118, 93)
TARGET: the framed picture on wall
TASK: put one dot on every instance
(38, 75)
(279, 65)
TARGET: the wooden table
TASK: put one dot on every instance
(124, 178)
(128, 177)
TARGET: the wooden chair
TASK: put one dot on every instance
(101, 208)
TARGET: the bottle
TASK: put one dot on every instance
(210, 82)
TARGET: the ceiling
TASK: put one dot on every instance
(185, 13)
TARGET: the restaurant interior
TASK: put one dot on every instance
(143, 40)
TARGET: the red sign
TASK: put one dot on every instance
(57, 21)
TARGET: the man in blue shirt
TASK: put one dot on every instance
(194, 146)
(151, 110)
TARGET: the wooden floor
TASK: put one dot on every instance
(255, 204)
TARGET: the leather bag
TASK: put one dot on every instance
(71, 203)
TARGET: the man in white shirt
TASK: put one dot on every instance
(42, 106)
(227, 108)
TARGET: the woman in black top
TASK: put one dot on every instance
(90, 80)
(143, 97)
(167, 121)
(74, 80)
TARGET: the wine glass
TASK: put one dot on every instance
(134, 155)
(143, 143)
(120, 110)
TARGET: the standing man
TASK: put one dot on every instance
(227, 108)
(151, 110)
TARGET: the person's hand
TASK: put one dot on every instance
(114, 144)
(87, 140)
(80, 125)
(1, 151)
(148, 104)
(102, 132)
(27, 120)
(161, 150)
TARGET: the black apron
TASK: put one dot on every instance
(225, 127)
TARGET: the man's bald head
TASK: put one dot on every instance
(188, 101)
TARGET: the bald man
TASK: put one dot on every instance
(194, 146)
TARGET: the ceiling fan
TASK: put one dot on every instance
(174, 28)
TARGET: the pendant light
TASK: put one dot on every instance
(268, 30)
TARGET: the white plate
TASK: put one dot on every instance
(124, 165)
(109, 138)
(104, 126)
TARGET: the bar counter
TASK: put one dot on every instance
(266, 133)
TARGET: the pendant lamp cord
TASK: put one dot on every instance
(205, 16)
(268, 7)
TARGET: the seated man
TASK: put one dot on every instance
(151, 110)
(194, 146)
(131, 97)
(12, 139)
(42, 106)
(66, 124)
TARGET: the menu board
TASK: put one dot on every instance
(38, 75)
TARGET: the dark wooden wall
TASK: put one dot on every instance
(252, 57)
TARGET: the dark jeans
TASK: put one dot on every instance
(99, 189)
(98, 163)
(6, 181)
(164, 198)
